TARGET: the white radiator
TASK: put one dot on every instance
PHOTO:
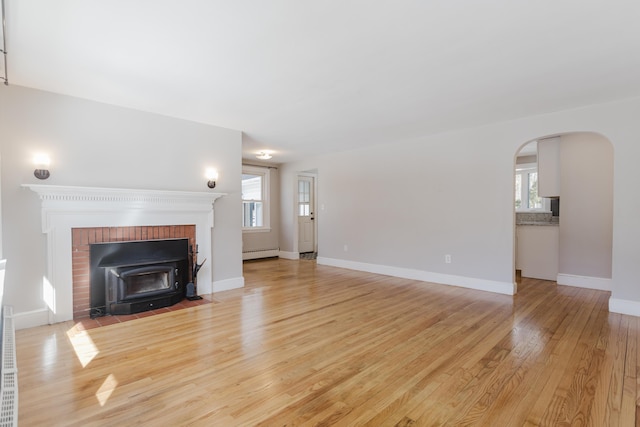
(9, 372)
(260, 253)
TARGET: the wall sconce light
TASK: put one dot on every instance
(264, 155)
(42, 163)
(212, 177)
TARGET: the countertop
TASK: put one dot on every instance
(541, 223)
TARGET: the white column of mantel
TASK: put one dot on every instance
(64, 208)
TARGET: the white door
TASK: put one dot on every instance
(306, 226)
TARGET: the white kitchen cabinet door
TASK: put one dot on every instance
(538, 251)
(549, 167)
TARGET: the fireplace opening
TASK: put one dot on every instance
(131, 283)
(131, 277)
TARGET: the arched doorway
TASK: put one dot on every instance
(580, 207)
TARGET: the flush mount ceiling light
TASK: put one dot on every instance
(264, 155)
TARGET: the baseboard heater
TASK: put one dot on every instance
(260, 253)
(9, 371)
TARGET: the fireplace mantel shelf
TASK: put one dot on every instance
(59, 193)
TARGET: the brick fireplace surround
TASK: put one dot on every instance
(83, 237)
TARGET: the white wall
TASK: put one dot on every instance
(99, 145)
(407, 204)
(586, 205)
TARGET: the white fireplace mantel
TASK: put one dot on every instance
(66, 207)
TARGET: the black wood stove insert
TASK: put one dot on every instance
(136, 276)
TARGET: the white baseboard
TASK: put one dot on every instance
(599, 283)
(289, 255)
(269, 253)
(623, 306)
(31, 319)
(506, 288)
(228, 284)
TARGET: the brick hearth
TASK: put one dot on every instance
(83, 237)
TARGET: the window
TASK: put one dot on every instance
(526, 196)
(304, 197)
(255, 198)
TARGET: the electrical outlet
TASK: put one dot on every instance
(346, 248)
(447, 259)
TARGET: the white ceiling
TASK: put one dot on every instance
(304, 77)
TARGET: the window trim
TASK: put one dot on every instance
(266, 198)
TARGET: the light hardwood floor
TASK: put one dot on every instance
(303, 344)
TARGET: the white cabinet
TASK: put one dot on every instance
(537, 251)
(549, 167)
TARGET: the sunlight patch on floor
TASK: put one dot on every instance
(83, 345)
(104, 392)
